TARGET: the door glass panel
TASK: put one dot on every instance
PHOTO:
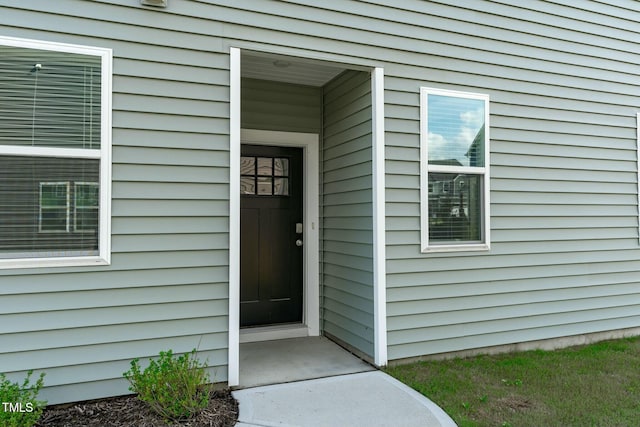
(281, 167)
(281, 187)
(264, 166)
(265, 186)
(247, 165)
(247, 185)
(264, 176)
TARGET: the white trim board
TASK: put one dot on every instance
(379, 220)
(276, 332)
(311, 310)
(233, 364)
(310, 143)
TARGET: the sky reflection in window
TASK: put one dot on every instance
(456, 130)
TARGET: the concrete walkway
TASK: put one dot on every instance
(367, 399)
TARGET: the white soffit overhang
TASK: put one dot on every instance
(287, 69)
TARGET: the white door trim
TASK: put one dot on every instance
(311, 155)
(310, 143)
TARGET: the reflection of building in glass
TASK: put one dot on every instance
(476, 150)
(454, 205)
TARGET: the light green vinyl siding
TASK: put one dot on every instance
(269, 105)
(563, 81)
(564, 258)
(347, 278)
(167, 286)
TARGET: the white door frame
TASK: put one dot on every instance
(309, 142)
(311, 232)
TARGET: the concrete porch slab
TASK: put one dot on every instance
(295, 359)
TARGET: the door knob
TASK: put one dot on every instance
(299, 242)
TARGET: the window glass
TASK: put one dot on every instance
(54, 206)
(49, 99)
(86, 197)
(40, 199)
(247, 185)
(264, 166)
(264, 176)
(281, 186)
(281, 167)
(455, 208)
(265, 186)
(456, 131)
(247, 165)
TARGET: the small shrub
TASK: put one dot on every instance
(174, 387)
(18, 404)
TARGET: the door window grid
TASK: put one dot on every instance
(264, 176)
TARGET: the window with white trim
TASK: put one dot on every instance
(454, 168)
(55, 154)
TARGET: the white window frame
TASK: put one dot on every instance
(485, 243)
(103, 154)
(67, 206)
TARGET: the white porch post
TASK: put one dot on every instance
(233, 363)
(379, 241)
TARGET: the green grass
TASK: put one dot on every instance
(593, 385)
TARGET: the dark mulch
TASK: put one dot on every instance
(128, 411)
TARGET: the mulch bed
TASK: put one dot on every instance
(128, 411)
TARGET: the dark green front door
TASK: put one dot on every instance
(270, 235)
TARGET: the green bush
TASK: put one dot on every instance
(174, 387)
(18, 404)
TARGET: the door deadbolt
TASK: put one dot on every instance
(299, 242)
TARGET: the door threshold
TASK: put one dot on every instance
(273, 332)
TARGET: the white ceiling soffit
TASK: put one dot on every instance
(287, 69)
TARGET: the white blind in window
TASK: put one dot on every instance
(49, 98)
(48, 207)
(49, 200)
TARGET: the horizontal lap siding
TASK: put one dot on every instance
(564, 194)
(347, 258)
(269, 105)
(563, 84)
(167, 286)
(564, 98)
